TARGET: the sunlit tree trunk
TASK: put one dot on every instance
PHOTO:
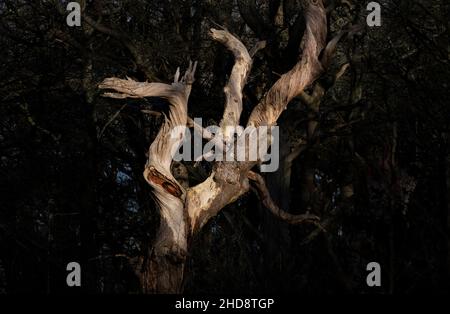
(184, 211)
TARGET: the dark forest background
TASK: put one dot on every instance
(71, 161)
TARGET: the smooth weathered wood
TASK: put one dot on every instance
(292, 83)
(185, 210)
(233, 88)
(162, 270)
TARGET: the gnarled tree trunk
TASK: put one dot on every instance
(185, 211)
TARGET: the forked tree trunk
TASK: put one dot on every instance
(185, 211)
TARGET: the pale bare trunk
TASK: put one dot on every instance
(184, 211)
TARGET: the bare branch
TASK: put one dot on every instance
(236, 82)
(131, 89)
(111, 120)
(151, 112)
(341, 71)
(304, 72)
(274, 209)
(259, 45)
(171, 135)
(331, 47)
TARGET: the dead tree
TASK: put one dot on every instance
(184, 211)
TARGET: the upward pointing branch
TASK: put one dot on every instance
(292, 83)
(238, 77)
